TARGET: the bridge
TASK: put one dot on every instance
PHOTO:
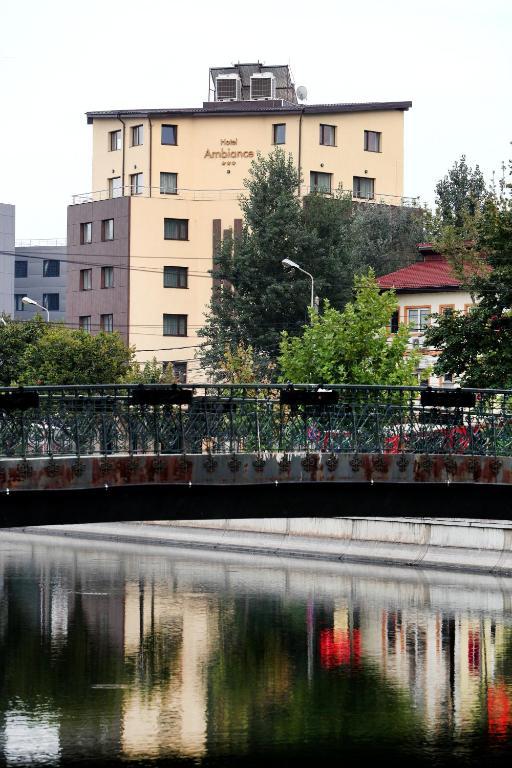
(202, 451)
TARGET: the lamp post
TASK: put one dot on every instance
(26, 300)
(290, 263)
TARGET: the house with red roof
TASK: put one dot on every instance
(424, 288)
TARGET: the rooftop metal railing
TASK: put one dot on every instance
(205, 195)
(253, 418)
(48, 242)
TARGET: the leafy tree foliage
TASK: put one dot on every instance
(460, 194)
(150, 372)
(239, 365)
(15, 338)
(385, 237)
(33, 352)
(352, 346)
(477, 346)
(254, 298)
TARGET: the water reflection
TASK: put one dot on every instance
(124, 654)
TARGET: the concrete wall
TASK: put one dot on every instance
(7, 228)
(99, 301)
(199, 135)
(35, 285)
(444, 543)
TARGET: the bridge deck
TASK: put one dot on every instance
(106, 453)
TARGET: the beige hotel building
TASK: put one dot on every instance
(166, 185)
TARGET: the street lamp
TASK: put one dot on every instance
(290, 263)
(26, 300)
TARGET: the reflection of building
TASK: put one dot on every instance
(446, 664)
(170, 717)
(167, 184)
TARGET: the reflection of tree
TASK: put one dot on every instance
(260, 693)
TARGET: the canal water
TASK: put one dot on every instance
(135, 656)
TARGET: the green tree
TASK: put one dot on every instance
(352, 346)
(150, 372)
(67, 356)
(15, 338)
(385, 237)
(239, 365)
(255, 299)
(477, 347)
(460, 195)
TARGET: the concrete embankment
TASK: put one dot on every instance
(453, 543)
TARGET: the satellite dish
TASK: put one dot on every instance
(302, 93)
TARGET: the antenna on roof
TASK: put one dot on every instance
(302, 93)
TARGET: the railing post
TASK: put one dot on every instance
(182, 430)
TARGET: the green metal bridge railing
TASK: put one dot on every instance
(252, 418)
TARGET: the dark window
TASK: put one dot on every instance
(328, 135)
(394, 322)
(84, 323)
(86, 232)
(169, 134)
(320, 182)
(86, 279)
(18, 302)
(107, 229)
(176, 229)
(107, 323)
(114, 140)
(20, 268)
(137, 135)
(279, 133)
(175, 277)
(363, 187)
(107, 277)
(168, 183)
(51, 301)
(175, 325)
(372, 141)
(136, 183)
(51, 268)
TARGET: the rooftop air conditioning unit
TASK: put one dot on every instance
(263, 86)
(228, 88)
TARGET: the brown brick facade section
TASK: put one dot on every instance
(113, 253)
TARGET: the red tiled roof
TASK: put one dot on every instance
(423, 274)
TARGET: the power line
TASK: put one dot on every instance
(127, 268)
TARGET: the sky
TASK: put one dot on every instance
(59, 59)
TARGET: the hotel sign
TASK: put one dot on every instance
(228, 154)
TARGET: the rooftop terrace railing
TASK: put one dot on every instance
(253, 418)
(202, 195)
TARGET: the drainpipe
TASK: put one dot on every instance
(299, 168)
(122, 160)
(150, 152)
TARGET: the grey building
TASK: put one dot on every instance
(40, 272)
(7, 213)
